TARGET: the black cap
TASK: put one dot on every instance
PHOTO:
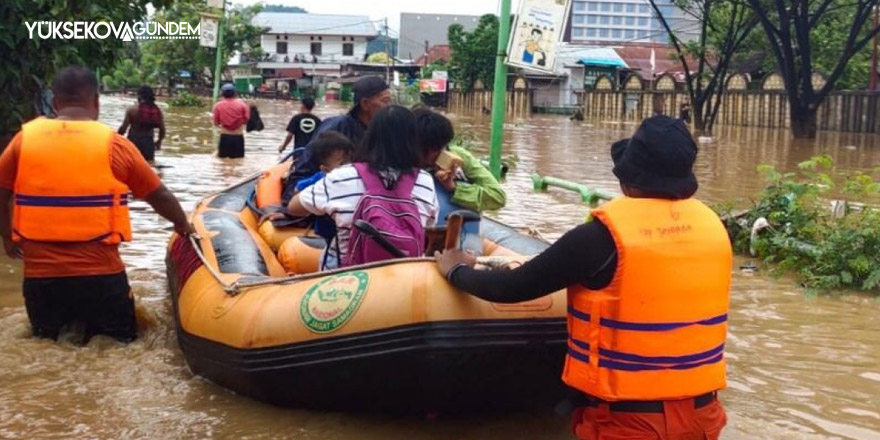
(658, 159)
(367, 87)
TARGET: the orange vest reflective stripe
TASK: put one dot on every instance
(65, 190)
(657, 331)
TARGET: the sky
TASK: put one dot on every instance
(379, 9)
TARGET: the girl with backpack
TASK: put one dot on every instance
(140, 122)
(383, 187)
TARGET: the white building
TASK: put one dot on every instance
(316, 43)
(627, 21)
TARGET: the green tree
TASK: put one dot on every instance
(473, 53)
(814, 36)
(125, 74)
(428, 70)
(30, 64)
(724, 26)
(163, 60)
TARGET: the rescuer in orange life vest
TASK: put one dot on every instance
(71, 178)
(648, 288)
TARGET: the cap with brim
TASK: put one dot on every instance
(658, 159)
(227, 88)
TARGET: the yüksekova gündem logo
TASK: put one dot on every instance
(102, 30)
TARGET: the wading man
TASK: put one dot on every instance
(231, 115)
(648, 290)
(69, 179)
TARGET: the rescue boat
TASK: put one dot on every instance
(253, 315)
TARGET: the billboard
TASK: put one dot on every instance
(536, 33)
(432, 86)
(209, 25)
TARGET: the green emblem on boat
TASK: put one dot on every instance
(328, 305)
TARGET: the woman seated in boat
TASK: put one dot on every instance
(461, 181)
(383, 188)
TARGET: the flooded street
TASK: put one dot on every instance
(799, 367)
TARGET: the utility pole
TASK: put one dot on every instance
(499, 91)
(388, 53)
(873, 80)
(219, 59)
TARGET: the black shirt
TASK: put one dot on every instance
(584, 255)
(302, 127)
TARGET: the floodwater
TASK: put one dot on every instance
(799, 367)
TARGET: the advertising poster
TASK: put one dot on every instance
(537, 31)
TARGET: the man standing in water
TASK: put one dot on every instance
(302, 126)
(371, 94)
(231, 115)
(140, 122)
(70, 178)
(648, 294)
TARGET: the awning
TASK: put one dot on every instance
(603, 57)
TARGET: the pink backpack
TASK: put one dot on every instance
(391, 212)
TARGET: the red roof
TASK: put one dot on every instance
(435, 53)
(638, 58)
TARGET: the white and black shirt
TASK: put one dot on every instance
(339, 192)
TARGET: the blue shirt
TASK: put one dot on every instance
(309, 181)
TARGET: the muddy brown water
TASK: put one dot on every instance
(800, 367)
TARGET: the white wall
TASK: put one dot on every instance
(331, 47)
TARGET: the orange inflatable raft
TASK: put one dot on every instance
(253, 316)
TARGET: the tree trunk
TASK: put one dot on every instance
(803, 122)
(699, 118)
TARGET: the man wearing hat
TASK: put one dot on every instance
(231, 116)
(648, 285)
(371, 94)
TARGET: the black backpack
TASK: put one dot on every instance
(255, 123)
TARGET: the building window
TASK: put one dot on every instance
(592, 6)
(581, 6)
(617, 20)
(604, 19)
(630, 34)
(644, 9)
(605, 7)
(591, 19)
(579, 19)
(591, 33)
(348, 49)
(603, 33)
(643, 22)
(578, 33)
(316, 48)
(630, 21)
(630, 7)
(618, 7)
(643, 34)
(281, 47)
(616, 33)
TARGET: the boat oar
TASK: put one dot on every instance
(453, 231)
(377, 236)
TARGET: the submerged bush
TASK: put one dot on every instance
(827, 243)
(186, 99)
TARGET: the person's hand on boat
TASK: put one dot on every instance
(13, 250)
(446, 179)
(450, 259)
(185, 229)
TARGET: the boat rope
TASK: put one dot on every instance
(491, 263)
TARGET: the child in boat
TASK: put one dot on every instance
(331, 149)
(388, 156)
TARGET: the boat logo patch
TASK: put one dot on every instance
(328, 305)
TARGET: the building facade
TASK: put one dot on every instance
(317, 43)
(627, 21)
(421, 31)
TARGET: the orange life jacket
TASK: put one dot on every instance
(65, 190)
(657, 331)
